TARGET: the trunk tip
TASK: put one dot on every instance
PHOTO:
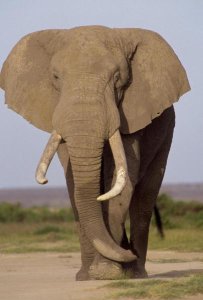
(129, 256)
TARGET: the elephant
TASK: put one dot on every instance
(106, 96)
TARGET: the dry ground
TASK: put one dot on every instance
(51, 276)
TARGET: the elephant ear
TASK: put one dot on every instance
(25, 77)
(158, 78)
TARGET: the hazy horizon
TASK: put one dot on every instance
(179, 22)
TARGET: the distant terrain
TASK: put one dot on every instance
(184, 191)
(58, 197)
(28, 197)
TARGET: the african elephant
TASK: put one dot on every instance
(107, 96)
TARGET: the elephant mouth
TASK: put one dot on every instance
(118, 155)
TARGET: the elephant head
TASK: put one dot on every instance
(86, 85)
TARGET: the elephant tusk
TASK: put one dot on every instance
(121, 167)
(47, 156)
(117, 188)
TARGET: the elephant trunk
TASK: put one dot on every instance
(86, 167)
(85, 154)
(83, 128)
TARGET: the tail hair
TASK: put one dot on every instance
(158, 220)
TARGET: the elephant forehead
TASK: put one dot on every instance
(86, 34)
(89, 44)
(74, 57)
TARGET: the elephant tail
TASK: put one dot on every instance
(158, 221)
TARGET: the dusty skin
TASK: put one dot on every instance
(90, 84)
(52, 275)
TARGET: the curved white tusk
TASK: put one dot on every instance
(118, 186)
(47, 156)
(121, 167)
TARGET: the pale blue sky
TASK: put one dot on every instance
(180, 22)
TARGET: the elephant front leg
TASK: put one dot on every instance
(115, 210)
(143, 202)
(114, 216)
(141, 209)
(87, 250)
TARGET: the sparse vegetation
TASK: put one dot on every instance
(36, 229)
(158, 289)
(10, 213)
(183, 224)
(179, 214)
(41, 229)
(178, 239)
(38, 237)
(47, 229)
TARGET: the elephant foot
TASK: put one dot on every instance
(82, 275)
(133, 274)
(135, 271)
(106, 270)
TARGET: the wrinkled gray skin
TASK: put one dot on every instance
(85, 84)
(146, 170)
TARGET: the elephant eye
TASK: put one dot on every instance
(116, 77)
(56, 76)
(56, 81)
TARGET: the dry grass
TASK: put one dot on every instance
(44, 229)
(157, 289)
(23, 238)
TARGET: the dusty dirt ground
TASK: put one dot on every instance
(51, 276)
